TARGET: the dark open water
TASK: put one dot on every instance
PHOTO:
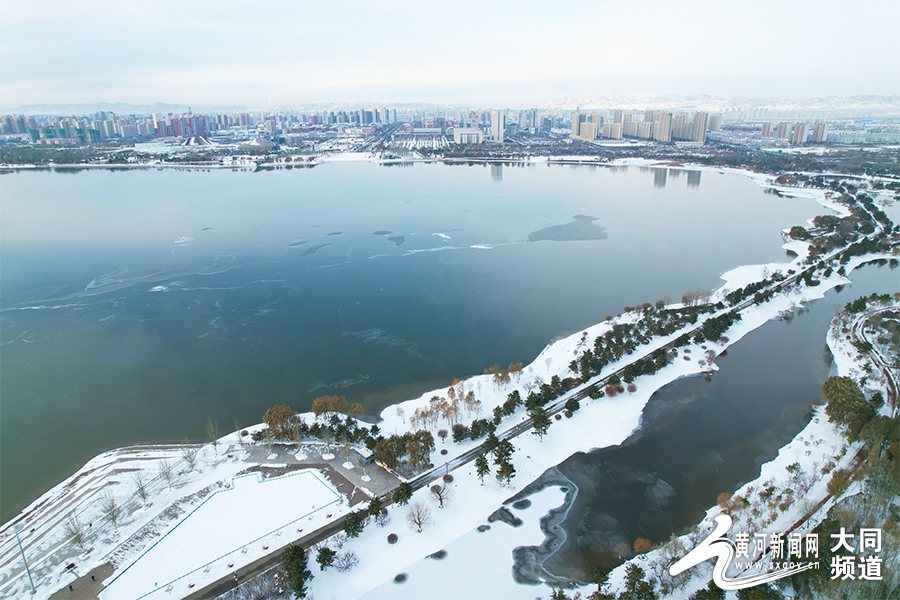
(138, 304)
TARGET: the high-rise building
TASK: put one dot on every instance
(818, 133)
(698, 127)
(612, 130)
(798, 133)
(617, 115)
(781, 131)
(588, 131)
(766, 130)
(498, 125)
(644, 130)
(715, 122)
(662, 126)
(576, 124)
(681, 127)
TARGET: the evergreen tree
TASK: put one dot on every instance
(481, 467)
(636, 586)
(490, 442)
(294, 562)
(540, 419)
(503, 452)
(325, 557)
(375, 506)
(402, 493)
(353, 525)
(710, 592)
(506, 472)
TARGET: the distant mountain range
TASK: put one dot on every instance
(877, 104)
(120, 108)
(886, 104)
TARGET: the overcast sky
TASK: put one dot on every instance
(280, 52)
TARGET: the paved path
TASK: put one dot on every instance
(85, 588)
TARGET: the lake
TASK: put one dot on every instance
(138, 304)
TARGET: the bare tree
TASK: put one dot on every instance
(165, 471)
(112, 510)
(418, 516)
(346, 561)
(297, 434)
(328, 438)
(240, 433)
(140, 486)
(189, 454)
(212, 433)
(383, 519)
(441, 493)
(75, 532)
(345, 447)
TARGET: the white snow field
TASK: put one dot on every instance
(478, 564)
(229, 529)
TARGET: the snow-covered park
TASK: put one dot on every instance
(230, 527)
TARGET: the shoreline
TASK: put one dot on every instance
(835, 451)
(628, 416)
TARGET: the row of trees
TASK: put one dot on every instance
(501, 377)
(329, 405)
(409, 451)
(501, 451)
(625, 338)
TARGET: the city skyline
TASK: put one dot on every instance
(235, 53)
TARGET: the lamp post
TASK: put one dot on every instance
(16, 529)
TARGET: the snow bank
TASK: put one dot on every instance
(347, 157)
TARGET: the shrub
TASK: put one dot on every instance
(392, 538)
(839, 482)
(642, 545)
(346, 561)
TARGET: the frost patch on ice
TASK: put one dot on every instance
(442, 235)
(420, 250)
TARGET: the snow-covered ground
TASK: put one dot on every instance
(820, 449)
(217, 535)
(465, 566)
